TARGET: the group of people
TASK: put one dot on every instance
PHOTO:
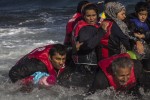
(98, 51)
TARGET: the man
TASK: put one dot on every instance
(119, 72)
(48, 59)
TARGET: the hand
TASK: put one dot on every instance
(104, 25)
(138, 35)
(78, 44)
(140, 47)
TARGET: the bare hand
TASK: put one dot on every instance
(78, 44)
(104, 25)
(140, 47)
(138, 35)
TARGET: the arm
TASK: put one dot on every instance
(118, 34)
(26, 67)
(100, 82)
(90, 36)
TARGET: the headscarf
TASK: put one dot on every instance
(112, 9)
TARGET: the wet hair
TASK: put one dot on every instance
(141, 6)
(122, 62)
(90, 6)
(81, 4)
(106, 1)
(58, 48)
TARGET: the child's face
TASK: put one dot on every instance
(142, 15)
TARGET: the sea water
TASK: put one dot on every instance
(27, 24)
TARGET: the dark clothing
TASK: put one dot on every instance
(135, 25)
(82, 75)
(90, 36)
(114, 38)
(78, 76)
(101, 81)
(26, 67)
(139, 27)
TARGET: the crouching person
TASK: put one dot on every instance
(41, 66)
(119, 72)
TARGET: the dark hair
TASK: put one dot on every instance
(81, 4)
(106, 1)
(90, 6)
(141, 6)
(121, 62)
(58, 48)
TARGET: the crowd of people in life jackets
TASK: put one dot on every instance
(103, 48)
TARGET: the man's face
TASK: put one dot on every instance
(58, 60)
(122, 75)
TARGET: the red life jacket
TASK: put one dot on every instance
(69, 27)
(75, 33)
(79, 25)
(42, 54)
(70, 23)
(105, 66)
(104, 41)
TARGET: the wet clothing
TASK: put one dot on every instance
(103, 80)
(83, 72)
(90, 36)
(113, 40)
(37, 60)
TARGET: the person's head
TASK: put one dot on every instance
(90, 13)
(106, 1)
(81, 4)
(141, 9)
(57, 55)
(121, 68)
(115, 10)
(148, 1)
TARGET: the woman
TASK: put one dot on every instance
(116, 39)
(85, 56)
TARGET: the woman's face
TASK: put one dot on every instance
(121, 15)
(90, 17)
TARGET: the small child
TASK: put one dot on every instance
(139, 21)
(43, 79)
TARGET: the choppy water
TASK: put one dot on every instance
(27, 24)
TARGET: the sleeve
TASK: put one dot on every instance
(147, 36)
(100, 82)
(90, 36)
(138, 68)
(117, 33)
(26, 67)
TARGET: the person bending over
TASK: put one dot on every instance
(119, 72)
(40, 66)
